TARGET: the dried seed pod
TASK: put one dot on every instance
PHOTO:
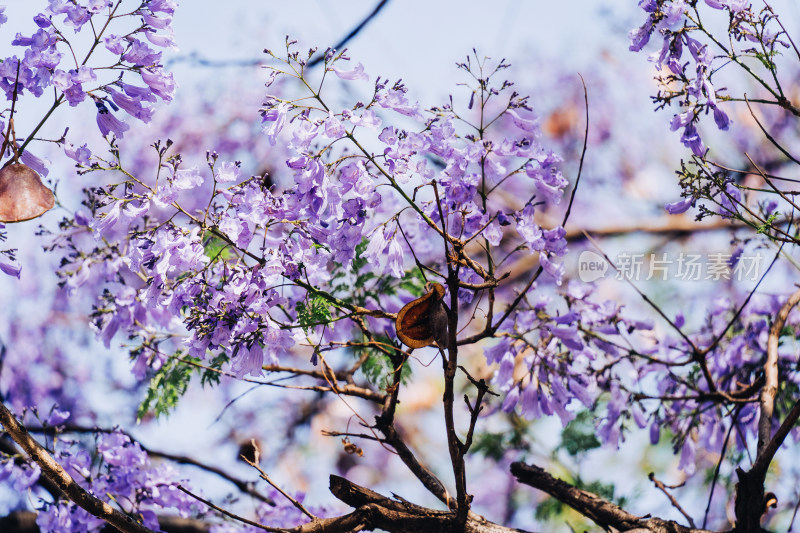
(23, 196)
(423, 322)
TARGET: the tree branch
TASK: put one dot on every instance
(770, 388)
(600, 511)
(56, 473)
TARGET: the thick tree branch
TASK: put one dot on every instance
(409, 517)
(602, 512)
(56, 473)
(244, 486)
(25, 522)
(770, 388)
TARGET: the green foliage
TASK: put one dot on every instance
(494, 445)
(766, 59)
(579, 435)
(378, 369)
(215, 248)
(312, 312)
(764, 228)
(210, 377)
(364, 288)
(166, 387)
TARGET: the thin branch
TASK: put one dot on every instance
(352, 33)
(663, 488)
(734, 420)
(228, 513)
(768, 136)
(275, 486)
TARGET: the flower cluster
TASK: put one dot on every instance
(683, 27)
(122, 470)
(49, 60)
(234, 280)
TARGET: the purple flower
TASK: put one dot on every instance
(368, 119)
(132, 106)
(10, 270)
(142, 93)
(388, 136)
(187, 179)
(6, 469)
(737, 6)
(102, 226)
(113, 44)
(156, 22)
(161, 83)
(529, 229)
(640, 36)
(81, 154)
(569, 336)
(681, 206)
(394, 263)
(493, 233)
(141, 55)
(687, 462)
(655, 431)
(229, 172)
(57, 417)
(730, 200)
(25, 477)
(721, 118)
(680, 120)
(510, 403)
(396, 100)
(164, 40)
(37, 164)
(556, 270)
(356, 73)
(530, 402)
(276, 115)
(525, 124)
(3, 17)
(96, 6)
(248, 361)
(691, 139)
(109, 123)
(333, 128)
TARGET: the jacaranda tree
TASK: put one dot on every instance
(399, 278)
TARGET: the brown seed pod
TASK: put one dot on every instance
(424, 321)
(22, 194)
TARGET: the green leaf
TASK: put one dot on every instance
(579, 435)
(165, 389)
(312, 312)
(767, 225)
(216, 248)
(378, 369)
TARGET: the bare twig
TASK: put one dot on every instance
(663, 488)
(275, 486)
(228, 513)
(353, 32)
